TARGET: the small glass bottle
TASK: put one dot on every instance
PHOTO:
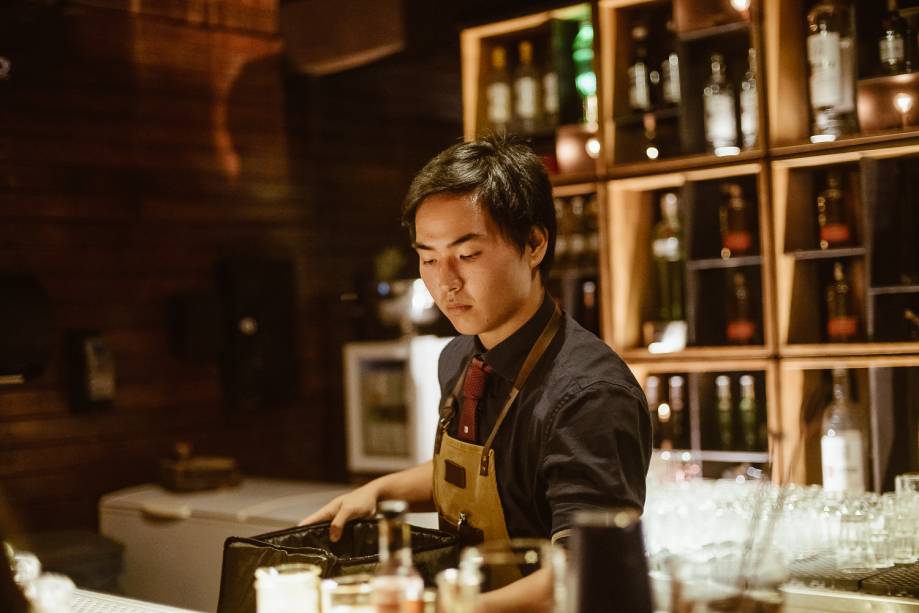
(725, 407)
(741, 326)
(678, 417)
(831, 56)
(498, 92)
(842, 446)
(734, 217)
(749, 428)
(639, 74)
(749, 104)
(527, 91)
(841, 325)
(396, 587)
(893, 42)
(667, 249)
(831, 213)
(670, 73)
(718, 100)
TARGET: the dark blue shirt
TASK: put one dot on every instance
(578, 435)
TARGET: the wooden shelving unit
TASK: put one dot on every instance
(782, 174)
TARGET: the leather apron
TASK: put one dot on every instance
(465, 488)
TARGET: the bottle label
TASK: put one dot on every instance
(843, 465)
(737, 242)
(550, 93)
(892, 49)
(740, 331)
(834, 233)
(823, 53)
(499, 103)
(749, 116)
(720, 121)
(525, 88)
(666, 249)
(639, 94)
(843, 327)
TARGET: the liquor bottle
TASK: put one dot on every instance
(831, 55)
(831, 213)
(396, 586)
(718, 100)
(670, 73)
(563, 218)
(667, 249)
(551, 100)
(893, 42)
(679, 427)
(734, 217)
(652, 394)
(527, 91)
(741, 326)
(725, 407)
(639, 74)
(842, 446)
(746, 408)
(749, 104)
(585, 78)
(498, 92)
(841, 325)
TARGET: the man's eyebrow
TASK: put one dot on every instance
(465, 238)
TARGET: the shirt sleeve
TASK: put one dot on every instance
(596, 452)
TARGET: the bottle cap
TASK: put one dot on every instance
(746, 381)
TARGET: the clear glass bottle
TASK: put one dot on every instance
(639, 72)
(831, 55)
(679, 425)
(396, 587)
(842, 447)
(893, 43)
(831, 213)
(667, 249)
(749, 104)
(747, 409)
(725, 407)
(734, 220)
(842, 324)
(718, 100)
(741, 326)
(498, 92)
(585, 78)
(670, 72)
(527, 91)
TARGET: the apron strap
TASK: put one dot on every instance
(448, 407)
(536, 352)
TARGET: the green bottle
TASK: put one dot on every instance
(747, 410)
(725, 412)
(585, 79)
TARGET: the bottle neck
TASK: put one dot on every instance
(395, 541)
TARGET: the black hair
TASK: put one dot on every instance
(501, 172)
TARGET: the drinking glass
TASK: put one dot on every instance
(458, 590)
(288, 588)
(501, 563)
(854, 553)
(349, 593)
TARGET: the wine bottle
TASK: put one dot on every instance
(734, 217)
(527, 91)
(741, 326)
(639, 74)
(725, 408)
(893, 42)
(585, 78)
(831, 56)
(748, 415)
(718, 100)
(749, 104)
(843, 444)
(831, 213)
(670, 72)
(667, 249)
(396, 587)
(842, 324)
(498, 92)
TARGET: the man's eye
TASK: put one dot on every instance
(470, 256)
(427, 262)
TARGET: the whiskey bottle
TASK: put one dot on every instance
(831, 55)
(678, 417)
(749, 424)
(741, 327)
(527, 91)
(892, 45)
(725, 407)
(749, 104)
(396, 586)
(639, 74)
(498, 92)
(831, 213)
(841, 325)
(718, 100)
(842, 445)
(667, 249)
(670, 73)
(585, 78)
(734, 220)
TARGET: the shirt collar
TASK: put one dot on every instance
(507, 357)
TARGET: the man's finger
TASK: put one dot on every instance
(338, 523)
(324, 514)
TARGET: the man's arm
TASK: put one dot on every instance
(532, 594)
(414, 485)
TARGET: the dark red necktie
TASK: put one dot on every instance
(473, 389)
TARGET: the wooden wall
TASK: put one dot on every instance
(136, 150)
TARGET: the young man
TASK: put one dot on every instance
(539, 417)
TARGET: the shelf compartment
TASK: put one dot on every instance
(803, 255)
(719, 263)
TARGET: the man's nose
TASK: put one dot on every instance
(448, 279)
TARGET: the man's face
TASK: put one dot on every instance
(479, 279)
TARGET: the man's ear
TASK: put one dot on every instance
(537, 243)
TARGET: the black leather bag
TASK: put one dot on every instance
(356, 552)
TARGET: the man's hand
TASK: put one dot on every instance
(361, 502)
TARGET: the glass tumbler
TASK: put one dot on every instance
(288, 588)
(347, 594)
